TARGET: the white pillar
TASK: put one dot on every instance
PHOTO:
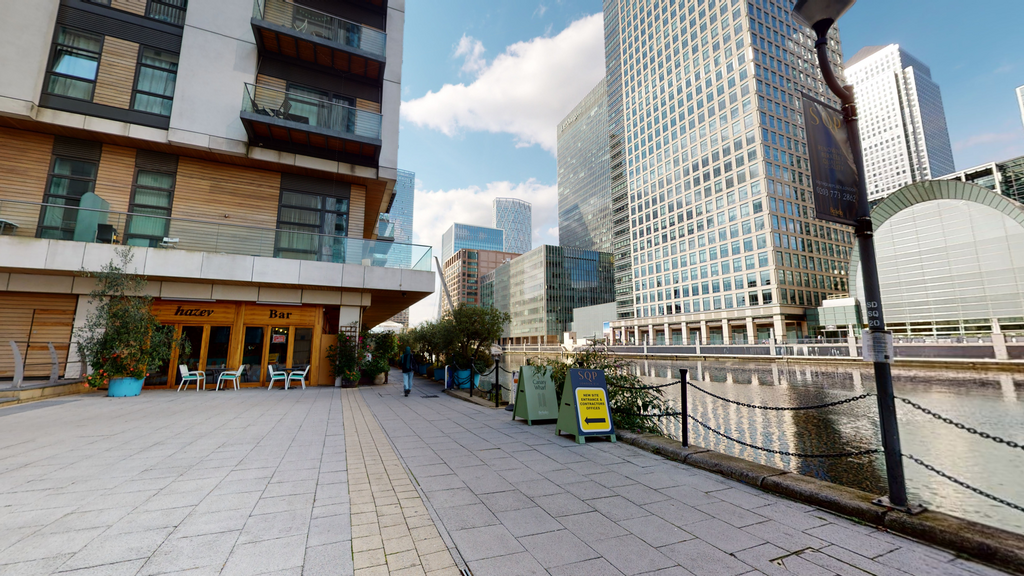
(703, 331)
(636, 335)
(668, 334)
(999, 341)
(726, 337)
(650, 334)
(780, 327)
(751, 331)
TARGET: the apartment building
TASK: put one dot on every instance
(464, 269)
(724, 243)
(244, 149)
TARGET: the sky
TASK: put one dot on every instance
(484, 85)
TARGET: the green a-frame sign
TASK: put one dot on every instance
(535, 395)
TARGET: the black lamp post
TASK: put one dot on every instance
(820, 15)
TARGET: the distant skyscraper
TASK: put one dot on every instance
(461, 236)
(1020, 102)
(584, 179)
(515, 218)
(401, 218)
(617, 160)
(902, 121)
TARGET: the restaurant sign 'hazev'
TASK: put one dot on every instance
(833, 169)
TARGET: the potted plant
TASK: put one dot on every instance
(344, 360)
(382, 348)
(121, 338)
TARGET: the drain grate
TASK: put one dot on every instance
(429, 396)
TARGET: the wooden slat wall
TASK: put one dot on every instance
(278, 12)
(50, 317)
(133, 6)
(271, 99)
(117, 72)
(209, 191)
(356, 211)
(24, 166)
(114, 178)
(368, 105)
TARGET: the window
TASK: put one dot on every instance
(151, 196)
(312, 227)
(170, 11)
(73, 65)
(154, 85)
(70, 180)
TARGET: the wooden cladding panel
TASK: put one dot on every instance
(264, 315)
(356, 211)
(279, 12)
(114, 178)
(116, 74)
(368, 105)
(35, 319)
(24, 166)
(133, 6)
(272, 99)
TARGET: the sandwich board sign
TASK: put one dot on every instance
(584, 410)
(535, 395)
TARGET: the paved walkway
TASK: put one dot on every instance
(329, 481)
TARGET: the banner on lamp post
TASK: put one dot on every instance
(833, 168)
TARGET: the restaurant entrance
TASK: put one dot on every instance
(227, 335)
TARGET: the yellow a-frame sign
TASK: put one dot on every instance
(584, 410)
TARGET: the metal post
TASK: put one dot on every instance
(897, 497)
(684, 408)
(497, 383)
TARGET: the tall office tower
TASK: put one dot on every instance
(459, 236)
(584, 181)
(725, 247)
(621, 250)
(245, 151)
(1020, 102)
(462, 273)
(401, 218)
(902, 121)
(514, 217)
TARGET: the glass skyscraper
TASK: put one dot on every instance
(584, 181)
(515, 218)
(724, 245)
(902, 121)
(617, 161)
(460, 236)
(401, 220)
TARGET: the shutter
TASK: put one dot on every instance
(156, 161)
(313, 185)
(114, 25)
(74, 148)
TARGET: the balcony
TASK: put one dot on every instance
(89, 225)
(298, 33)
(303, 124)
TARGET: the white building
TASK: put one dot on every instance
(902, 121)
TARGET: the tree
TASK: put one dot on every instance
(467, 333)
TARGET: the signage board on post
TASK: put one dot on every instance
(584, 410)
(535, 395)
(833, 169)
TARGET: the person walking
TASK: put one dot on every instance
(408, 364)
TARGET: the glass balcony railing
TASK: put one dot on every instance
(311, 22)
(309, 110)
(64, 222)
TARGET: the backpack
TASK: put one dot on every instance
(407, 363)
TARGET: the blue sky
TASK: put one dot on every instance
(485, 83)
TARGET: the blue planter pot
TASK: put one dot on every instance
(462, 379)
(125, 386)
(422, 370)
(439, 374)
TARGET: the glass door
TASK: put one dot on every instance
(277, 351)
(252, 352)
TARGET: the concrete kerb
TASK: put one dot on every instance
(1000, 548)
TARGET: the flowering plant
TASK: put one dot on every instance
(121, 336)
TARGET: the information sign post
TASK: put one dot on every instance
(535, 395)
(584, 410)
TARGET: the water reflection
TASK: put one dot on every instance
(992, 401)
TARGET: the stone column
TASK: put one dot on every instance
(726, 336)
(650, 334)
(780, 327)
(668, 334)
(703, 331)
(636, 335)
(686, 333)
(751, 331)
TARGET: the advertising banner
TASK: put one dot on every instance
(833, 170)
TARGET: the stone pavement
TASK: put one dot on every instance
(516, 499)
(330, 481)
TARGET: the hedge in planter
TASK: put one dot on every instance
(121, 338)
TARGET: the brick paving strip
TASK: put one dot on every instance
(518, 499)
(392, 532)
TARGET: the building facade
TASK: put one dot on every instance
(466, 236)
(541, 288)
(902, 120)
(400, 216)
(245, 154)
(514, 217)
(724, 244)
(621, 247)
(950, 263)
(1006, 178)
(1020, 102)
(584, 176)
(463, 272)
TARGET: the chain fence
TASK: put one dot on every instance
(963, 484)
(961, 426)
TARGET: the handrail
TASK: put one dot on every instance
(326, 114)
(54, 363)
(377, 46)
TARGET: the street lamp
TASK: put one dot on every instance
(820, 15)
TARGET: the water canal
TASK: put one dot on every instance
(991, 401)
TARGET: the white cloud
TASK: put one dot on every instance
(526, 91)
(472, 50)
(436, 210)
